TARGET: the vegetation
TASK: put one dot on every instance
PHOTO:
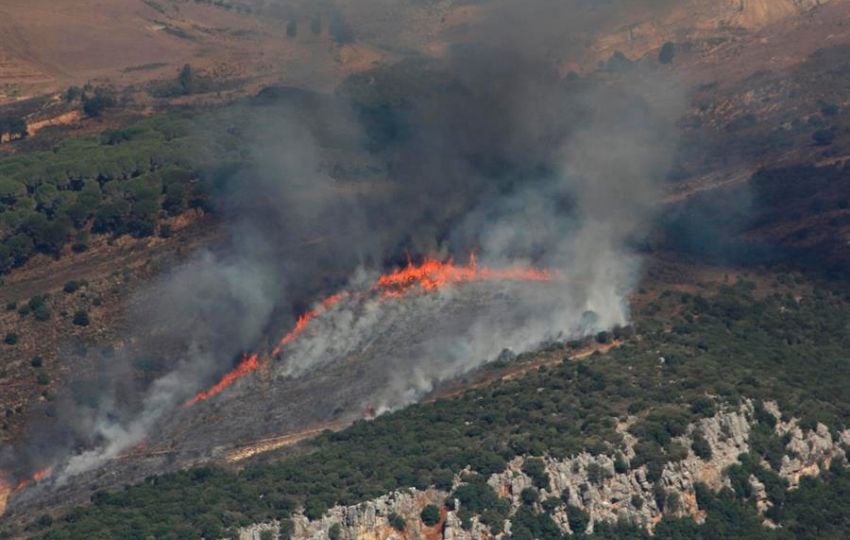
(97, 100)
(396, 522)
(729, 344)
(15, 127)
(667, 53)
(123, 182)
(430, 515)
(71, 287)
(81, 318)
(824, 137)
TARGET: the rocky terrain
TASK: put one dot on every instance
(592, 484)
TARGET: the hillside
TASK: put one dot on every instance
(424, 269)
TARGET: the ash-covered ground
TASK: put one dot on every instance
(363, 357)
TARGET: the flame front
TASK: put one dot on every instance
(7, 491)
(248, 364)
(42, 474)
(433, 274)
(304, 320)
(429, 275)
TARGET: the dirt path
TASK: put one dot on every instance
(709, 182)
(514, 371)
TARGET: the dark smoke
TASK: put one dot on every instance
(489, 148)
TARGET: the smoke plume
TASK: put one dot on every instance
(488, 149)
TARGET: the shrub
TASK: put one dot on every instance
(42, 378)
(11, 338)
(701, 447)
(829, 109)
(335, 532)
(620, 465)
(823, 137)
(536, 470)
(36, 362)
(578, 519)
(595, 473)
(430, 515)
(81, 318)
(71, 287)
(36, 302)
(703, 406)
(551, 504)
(42, 313)
(667, 53)
(529, 496)
(396, 522)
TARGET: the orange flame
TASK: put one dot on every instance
(248, 364)
(6, 490)
(38, 476)
(42, 474)
(430, 275)
(433, 274)
(303, 320)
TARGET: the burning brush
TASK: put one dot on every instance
(7, 489)
(428, 276)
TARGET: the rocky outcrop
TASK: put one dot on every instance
(370, 520)
(809, 452)
(592, 484)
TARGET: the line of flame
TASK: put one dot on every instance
(429, 275)
(248, 364)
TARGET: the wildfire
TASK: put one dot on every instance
(42, 474)
(303, 320)
(433, 274)
(7, 491)
(429, 275)
(248, 364)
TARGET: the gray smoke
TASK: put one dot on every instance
(488, 149)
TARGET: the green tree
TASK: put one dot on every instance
(529, 495)
(396, 521)
(11, 191)
(701, 447)
(430, 515)
(578, 519)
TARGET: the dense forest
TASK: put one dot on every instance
(122, 182)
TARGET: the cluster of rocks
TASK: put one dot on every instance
(590, 483)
